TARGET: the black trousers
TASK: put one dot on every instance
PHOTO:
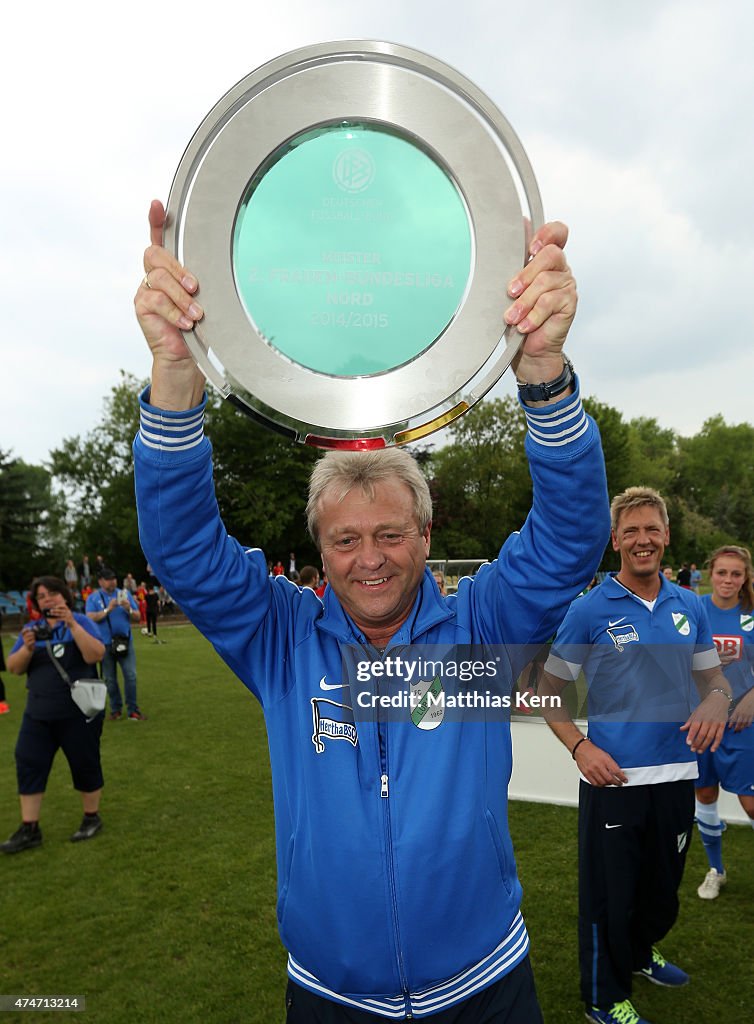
(633, 842)
(511, 1000)
(38, 742)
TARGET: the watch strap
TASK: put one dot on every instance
(546, 390)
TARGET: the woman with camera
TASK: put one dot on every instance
(58, 647)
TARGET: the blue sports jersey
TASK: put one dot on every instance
(638, 664)
(397, 885)
(733, 633)
(732, 764)
(118, 621)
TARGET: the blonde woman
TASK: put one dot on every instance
(730, 609)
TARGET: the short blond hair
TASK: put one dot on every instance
(637, 497)
(340, 472)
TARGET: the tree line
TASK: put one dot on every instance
(82, 499)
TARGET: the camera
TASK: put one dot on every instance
(42, 630)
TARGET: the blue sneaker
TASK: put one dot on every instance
(619, 1013)
(662, 972)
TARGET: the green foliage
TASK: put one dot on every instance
(480, 482)
(616, 444)
(716, 475)
(653, 454)
(261, 481)
(29, 523)
(96, 477)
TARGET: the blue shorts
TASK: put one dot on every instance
(732, 764)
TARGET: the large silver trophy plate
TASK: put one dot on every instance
(353, 212)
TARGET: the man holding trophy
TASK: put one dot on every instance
(398, 893)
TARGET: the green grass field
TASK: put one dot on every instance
(169, 914)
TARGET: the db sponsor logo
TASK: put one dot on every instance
(731, 647)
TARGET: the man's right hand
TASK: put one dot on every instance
(166, 305)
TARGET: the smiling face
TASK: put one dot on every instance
(640, 537)
(727, 576)
(374, 555)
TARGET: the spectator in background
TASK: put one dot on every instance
(141, 601)
(114, 612)
(440, 581)
(320, 590)
(696, 578)
(61, 642)
(166, 601)
(99, 565)
(32, 612)
(70, 576)
(292, 565)
(683, 579)
(667, 572)
(152, 601)
(4, 706)
(277, 569)
(129, 583)
(309, 577)
(85, 574)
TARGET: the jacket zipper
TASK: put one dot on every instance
(385, 795)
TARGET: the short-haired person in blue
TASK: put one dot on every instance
(730, 610)
(645, 648)
(398, 896)
(113, 611)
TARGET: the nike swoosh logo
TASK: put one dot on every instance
(614, 826)
(617, 622)
(330, 686)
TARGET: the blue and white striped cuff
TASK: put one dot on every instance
(166, 431)
(558, 424)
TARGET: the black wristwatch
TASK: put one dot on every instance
(547, 389)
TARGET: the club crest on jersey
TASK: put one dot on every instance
(681, 623)
(428, 707)
(58, 650)
(325, 727)
(622, 635)
(681, 840)
(747, 622)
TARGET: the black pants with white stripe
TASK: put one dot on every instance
(633, 842)
(511, 1000)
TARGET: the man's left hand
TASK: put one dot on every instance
(544, 305)
(706, 725)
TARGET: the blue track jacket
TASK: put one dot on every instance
(397, 885)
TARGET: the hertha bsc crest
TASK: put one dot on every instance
(681, 623)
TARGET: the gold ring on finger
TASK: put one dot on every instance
(146, 280)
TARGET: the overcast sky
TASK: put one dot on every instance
(637, 118)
